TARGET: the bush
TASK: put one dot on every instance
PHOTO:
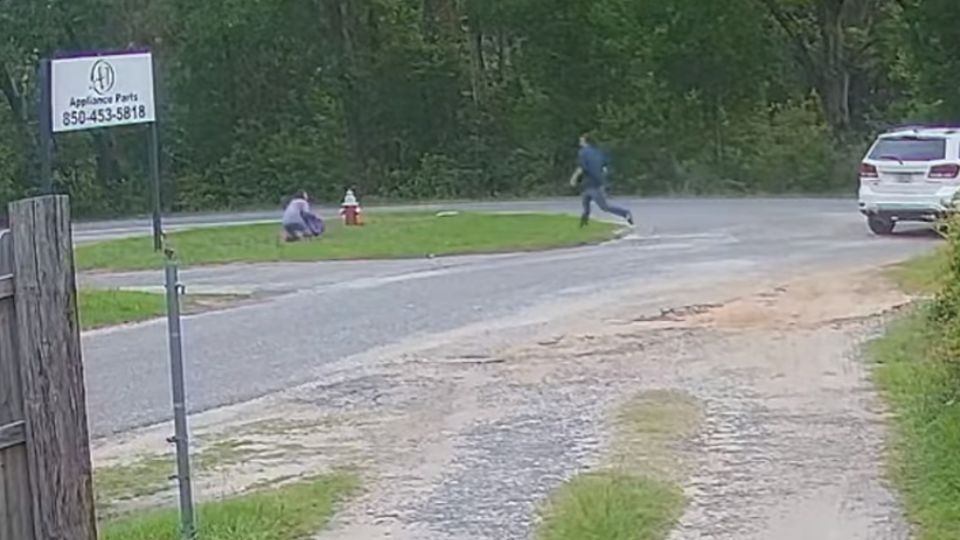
(946, 306)
(920, 384)
(784, 148)
(266, 169)
(790, 149)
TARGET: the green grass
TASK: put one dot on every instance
(101, 308)
(384, 236)
(638, 496)
(292, 512)
(921, 275)
(923, 391)
(612, 506)
(109, 307)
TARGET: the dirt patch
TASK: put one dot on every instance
(465, 437)
(229, 456)
(811, 302)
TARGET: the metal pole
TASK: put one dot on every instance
(154, 151)
(181, 438)
(46, 129)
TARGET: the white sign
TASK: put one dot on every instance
(99, 91)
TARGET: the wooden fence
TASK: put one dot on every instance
(45, 470)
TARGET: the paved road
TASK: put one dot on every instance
(323, 312)
(85, 232)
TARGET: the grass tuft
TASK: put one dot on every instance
(398, 235)
(612, 506)
(639, 496)
(291, 512)
(649, 428)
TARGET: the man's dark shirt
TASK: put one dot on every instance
(593, 163)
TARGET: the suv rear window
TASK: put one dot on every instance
(910, 149)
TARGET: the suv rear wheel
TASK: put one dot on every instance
(880, 226)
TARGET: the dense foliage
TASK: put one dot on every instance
(945, 312)
(478, 98)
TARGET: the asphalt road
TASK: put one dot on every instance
(319, 313)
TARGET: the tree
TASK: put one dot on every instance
(935, 34)
(831, 41)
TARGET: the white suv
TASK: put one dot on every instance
(910, 174)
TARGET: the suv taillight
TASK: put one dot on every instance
(944, 172)
(868, 171)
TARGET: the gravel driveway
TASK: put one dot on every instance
(461, 436)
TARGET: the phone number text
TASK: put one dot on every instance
(106, 115)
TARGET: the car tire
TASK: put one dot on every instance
(881, 226)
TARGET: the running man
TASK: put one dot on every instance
(592, 163)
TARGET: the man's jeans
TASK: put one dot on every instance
(599, 195)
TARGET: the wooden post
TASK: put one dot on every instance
(16, 514)
(6, 253)
(51, 370)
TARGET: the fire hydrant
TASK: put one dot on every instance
(350, 209)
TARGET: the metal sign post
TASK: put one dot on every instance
(181, 436)
(154, 151)
(46, 130)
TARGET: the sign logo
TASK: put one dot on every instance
(102, 77)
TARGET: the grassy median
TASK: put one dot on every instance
(100, 308)
(919, 379)
(291, 512)
(388, 235)
(110, 307)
